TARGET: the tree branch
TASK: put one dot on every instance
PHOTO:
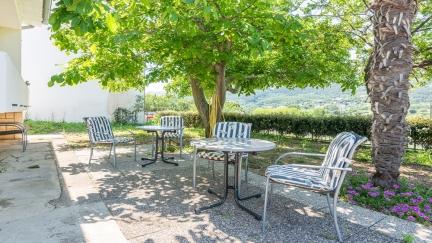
(421, 24)
(423, 64)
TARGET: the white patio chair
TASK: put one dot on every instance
(228, 130)
(326, 179)
(177, 136)
(100, 132)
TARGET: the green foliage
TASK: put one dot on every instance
(298, 125)
(408, 238)
(49, 127)
(124, 116)
(155, 102)
(405, 200)
(421, 131)
(355, 20)
(231, 106)
(316, 126)
(290, 110)
(262, 43)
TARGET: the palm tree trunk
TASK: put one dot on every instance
(388, 85)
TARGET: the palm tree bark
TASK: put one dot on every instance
(388, 85)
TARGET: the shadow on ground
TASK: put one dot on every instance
(156, 204)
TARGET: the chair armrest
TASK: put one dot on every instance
(297, 154)
(320, 167)
(18, 125)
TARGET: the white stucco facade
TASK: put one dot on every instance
(40, 60)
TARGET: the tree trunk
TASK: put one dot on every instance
(388, 85)
(201, 104)
(218, 99)
(210, 114)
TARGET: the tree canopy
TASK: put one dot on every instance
(263, 43)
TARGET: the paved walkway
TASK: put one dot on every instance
(98, 203)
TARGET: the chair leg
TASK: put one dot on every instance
(23, 141)
(115, 155)
(213, 169)
(109, 155)
(329, 204)
(270, 195)
(194, 167)
(239, 174)
(91, 154)
(135, 150)
(333, 212)
(181, 147)
(265, 203)
(246, 169)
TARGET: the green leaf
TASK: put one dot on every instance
(111, 23)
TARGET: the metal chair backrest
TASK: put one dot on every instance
(342, 147)
(172, 121)
(99, 129)
(232, 130)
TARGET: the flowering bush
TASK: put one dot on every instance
(404, 200)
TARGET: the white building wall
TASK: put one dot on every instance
(10, 42)
(41, 59)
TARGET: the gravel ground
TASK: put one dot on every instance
(155, 204)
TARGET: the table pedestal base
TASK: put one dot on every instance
(237, 198)
(155, 158)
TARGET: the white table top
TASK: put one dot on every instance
(233, 144)
(159, 128)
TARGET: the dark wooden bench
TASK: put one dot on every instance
(18, 128)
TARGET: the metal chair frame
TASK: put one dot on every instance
(107, 137)
(335, 183)
(172, 121)
(21, 129)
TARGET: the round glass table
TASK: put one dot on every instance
(238, 146)
(162, 130)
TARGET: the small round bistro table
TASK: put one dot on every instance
(157, 130)
(226, 146)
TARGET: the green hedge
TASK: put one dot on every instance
(421, 132)
(315, 127)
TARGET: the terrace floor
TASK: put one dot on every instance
(98, 203)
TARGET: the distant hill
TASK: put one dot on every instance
(331, 99)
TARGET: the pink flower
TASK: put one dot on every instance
(352, 192)
(406, 194)
(430, 200)
(373, 194)
(427, 208)
(411, 218)
(396, 186)
(417, 200)
(389, 194)
(367, 186)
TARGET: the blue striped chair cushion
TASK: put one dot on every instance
(297, 176)
(218, 156)
(99, 129)
(172, 121)
(232, 130)
(227, 130)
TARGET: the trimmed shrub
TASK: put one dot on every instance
(314, 126)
